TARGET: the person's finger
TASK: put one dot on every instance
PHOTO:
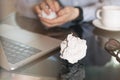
(57, 6)
(44, 7)
(62, 12)
(46, 24)
(37, 9)
(49, 25)
(50, 4)
(61, 19)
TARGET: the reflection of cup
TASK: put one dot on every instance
(109, 16)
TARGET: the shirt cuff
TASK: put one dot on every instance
(79, 19)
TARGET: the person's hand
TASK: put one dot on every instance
(65, 15)
(46, 5)
(51, 4)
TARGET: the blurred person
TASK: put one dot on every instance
(69, 10)
(77, 14)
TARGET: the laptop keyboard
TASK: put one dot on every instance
(16, 51)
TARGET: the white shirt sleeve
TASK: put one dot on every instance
(25, 7)
(89, 7)
(89, 12)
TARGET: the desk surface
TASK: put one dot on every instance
(45, 69)
(49, 67)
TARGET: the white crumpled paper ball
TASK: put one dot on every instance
(52, 15)
(73, 49)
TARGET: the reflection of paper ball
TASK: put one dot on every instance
(52, 15)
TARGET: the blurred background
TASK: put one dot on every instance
(105, 70)
(6, 7)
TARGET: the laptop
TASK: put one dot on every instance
(19, 47)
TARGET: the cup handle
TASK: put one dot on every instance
(98, 14)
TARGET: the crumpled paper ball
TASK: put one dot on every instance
(73, 49)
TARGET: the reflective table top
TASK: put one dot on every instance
(98, 64)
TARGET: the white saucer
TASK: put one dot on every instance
(98, 24)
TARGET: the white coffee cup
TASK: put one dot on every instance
(109, 16)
